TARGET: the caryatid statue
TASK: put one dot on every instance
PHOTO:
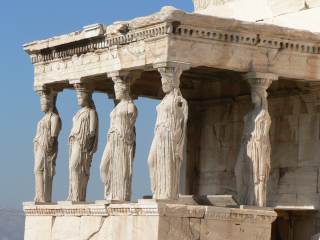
(83, 142)
(166, 153)
(253, 162)
(46, 146)
(117, 160)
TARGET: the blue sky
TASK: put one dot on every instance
(24, 21)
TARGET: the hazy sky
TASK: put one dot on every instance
(22, 21)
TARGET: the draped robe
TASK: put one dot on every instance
(166, 153)
(82, 147)
(118, 156)
(45, 152)
(253, 163)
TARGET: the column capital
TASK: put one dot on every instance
(124, 75)
(81, 87)
(45, 89)
(182, 66)
(171, 72)
(75, 81)
(259, 79)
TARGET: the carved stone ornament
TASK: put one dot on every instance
(253, 162)
(117, 160)
(46, 146)
(83, 142)
(166, 153)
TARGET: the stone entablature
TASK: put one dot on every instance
(179, 29)
(144, 41)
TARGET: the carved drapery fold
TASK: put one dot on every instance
(253, 161)
(166, 153)
(46, 145)
(117, 160)
(83, 142)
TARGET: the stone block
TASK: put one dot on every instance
(285, 6)
(176, 229)
(217, 183)
(241, 9)
(304, 20)
(66, 228)
(38, 227)
(90, 226)
(219, 230)
(309, 153)
(129, 228)
(309, 127)
(298, 180)
(308, 199)
(312, 3)
(284, 199)
(284, 154)
(146, 221)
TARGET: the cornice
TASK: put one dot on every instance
(186, 32)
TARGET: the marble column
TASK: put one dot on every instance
(117, 160)
(83, 141)
(167, 148)
(46, 145)
(253, 162)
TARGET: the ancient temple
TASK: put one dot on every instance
(235, 153)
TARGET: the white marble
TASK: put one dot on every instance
(117, 160)
(83, 142)
(46, 146)
(167, 148)
(145, 221)
(253, 164)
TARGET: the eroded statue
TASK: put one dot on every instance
(166, 153)
(253, 162)
(117, 160)
(46, 146)
(83, 142)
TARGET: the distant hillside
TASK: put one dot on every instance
(11, 224)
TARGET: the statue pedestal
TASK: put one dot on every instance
(145, 221)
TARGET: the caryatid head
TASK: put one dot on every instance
(47, 100)
(259, 92)
(121, 88)
(170, 78)
(84, 95)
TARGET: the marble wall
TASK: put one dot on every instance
(215, 131)
(295, 138)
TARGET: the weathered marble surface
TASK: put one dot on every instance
(46, 146)
(83, 141)
(167, 148)
(304, 20)
(298, 14)
(117, 161)
(153, 221)
(294, 139)
(252, 169)
(199, 40)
